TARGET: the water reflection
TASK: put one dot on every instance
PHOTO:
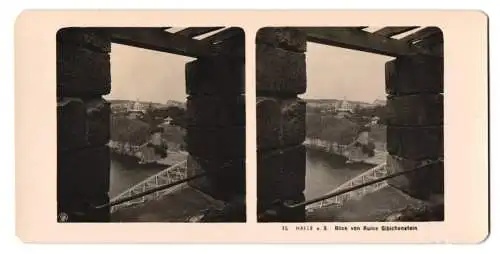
(324, 172)
(126, 172)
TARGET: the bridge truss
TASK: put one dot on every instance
(169, 175)
(374, 173)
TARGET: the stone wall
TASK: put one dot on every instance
(216, 123)
(83, 76)
(414, 85)
(281, 76)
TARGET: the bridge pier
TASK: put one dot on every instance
(216, 125)
(83, 76)
(281, 76)
(414, 86)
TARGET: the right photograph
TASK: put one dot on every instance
(350, 124)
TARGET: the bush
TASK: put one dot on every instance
(379, 111)
(131, 131)
(174, 134)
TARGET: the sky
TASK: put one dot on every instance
(335, 73)
(332, 73)
(146, 75)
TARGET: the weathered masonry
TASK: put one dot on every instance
(414, 87)
(281, 76)
(215, 108)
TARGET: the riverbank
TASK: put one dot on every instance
(124, 149)
(135, 154)
(334, 161)
(173, 157)
(351, 154)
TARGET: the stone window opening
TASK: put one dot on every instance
(215, 78)
(414, 87)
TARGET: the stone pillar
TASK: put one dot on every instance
(216, 124)
(281, 76)
(414, 85)
(83, 119)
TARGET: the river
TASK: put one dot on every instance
(126, 172)
(324, 173)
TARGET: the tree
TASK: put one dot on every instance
(178, 116)
(356, 108)
(331, 129)
(127, 130)
(378, 111)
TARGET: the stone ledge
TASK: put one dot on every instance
(415, 110)
(82, 122)
(280, 175)
(215, 76)
(415, 143)
(92, 38)
(83, 172)
(280, 71)
(416, 74)
(280, 122)
(82, 72)
(220, 143)
(215, 111)
(420, 184)
(224, 179)
(287, 38)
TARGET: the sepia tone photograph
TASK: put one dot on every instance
(151, 124)
(350, 124)
(324, 131)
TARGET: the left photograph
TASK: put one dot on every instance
(151, 124)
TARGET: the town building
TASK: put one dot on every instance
(379, 102)
(345, 106)
(167, 120)
(135, 110)
(136, 107)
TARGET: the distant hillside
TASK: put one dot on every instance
(169, 103)
(321, 101)
(175, 103)
(119, 101)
